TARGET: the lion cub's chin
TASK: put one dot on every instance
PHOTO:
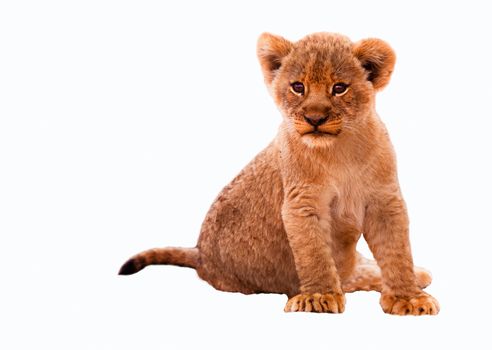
(318, 140)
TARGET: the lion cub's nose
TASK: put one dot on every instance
(315, 120)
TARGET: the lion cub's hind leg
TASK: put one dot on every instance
(367, 276)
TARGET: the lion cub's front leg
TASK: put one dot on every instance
(386, 232)
(308, 232)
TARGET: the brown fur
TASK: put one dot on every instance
(290, 221)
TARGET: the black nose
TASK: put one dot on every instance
(316, 120)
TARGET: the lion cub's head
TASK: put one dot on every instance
(324, 84)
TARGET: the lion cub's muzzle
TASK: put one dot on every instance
(319, 124)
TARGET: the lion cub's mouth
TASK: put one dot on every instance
(318, 132)
(332, 128)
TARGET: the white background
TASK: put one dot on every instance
(120, 121)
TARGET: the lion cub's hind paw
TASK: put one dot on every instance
(422, 304)
(317, 302)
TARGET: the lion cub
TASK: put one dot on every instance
(290, 221)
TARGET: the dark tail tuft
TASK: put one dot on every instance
(129, 268)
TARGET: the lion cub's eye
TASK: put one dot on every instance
(339, 89)
(297, 87)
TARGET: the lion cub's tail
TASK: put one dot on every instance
(186, 257)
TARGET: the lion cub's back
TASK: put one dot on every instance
(242, 240)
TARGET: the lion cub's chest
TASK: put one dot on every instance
(348, 204)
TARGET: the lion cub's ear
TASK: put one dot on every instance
(270, 50)
(377, 58)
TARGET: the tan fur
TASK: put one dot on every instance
(290, 221)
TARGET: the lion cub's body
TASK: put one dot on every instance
(252, 252)
(290, 221)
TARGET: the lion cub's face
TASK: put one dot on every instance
(324, 84)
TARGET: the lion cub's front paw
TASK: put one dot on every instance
(317, 302)
(422, 304)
